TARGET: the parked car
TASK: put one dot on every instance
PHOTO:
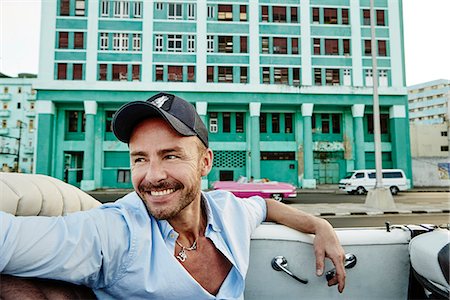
(360, 181)
(259, 187)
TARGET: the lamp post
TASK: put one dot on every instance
(380, 197)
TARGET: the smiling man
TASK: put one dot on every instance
(168, 239)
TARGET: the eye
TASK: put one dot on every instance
(171, 156)
(138, 160)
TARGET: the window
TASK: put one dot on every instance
(104, 8)
(380, 18)
(136, 72)
(244, 75)
(120, 41)
(158, 43)
(175, 11)
(102, 72)
(279, 14)
(384, 123)
(336, 123)
(159, 73)
(226, 44)
(263, 122)
(19, 105)
(4, 123)
(123, 176)
(316, 15)
(264, 13)
(103, 41)
(266, 74)
(30, 125)
(76, 121)
(346, 44)
(174, 43)
(62, 71)
(294, 15)
(191, 43)
(330, 16)
(159, 5)
(443, 133)
(213, 125)
(239, 122)
(383, 79)
(294, 45)
(347, 77)
(316, 43)
(243, 13)
(210, 12)
(78, 40)
(317, 76)
(275, 123)
(345, 16)
(79, 7)
(444, 148)
(243, 44)
(266, 155)
(288, 123)
(366, 17)
(359, 175)
(225, 12)
(210, 43)
(281, 75)
(279, 45)
(175, 73)
(332, 77)
(331, 47)
(226, 74)
(367, 47)
(63, 40)
(191, 11)
(64, 7)
(120, 72)
(191, 74)
(226, 119)
(382, 48)
(264, 45)
(121, 9)
(108, 123)
(136, 42)
(77, 71)
(296, 76)
(210, 74)
(137, 9)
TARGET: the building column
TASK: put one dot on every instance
(255, 154)
(88, 182)
(308, 176)
(44, 137)
(400, 143)
(358, 115)
(202, 108)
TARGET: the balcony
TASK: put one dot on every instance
(5, 97)
(31, 97)
(5, 113)
(30, 113)
(4, 131)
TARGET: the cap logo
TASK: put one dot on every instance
(160, 101)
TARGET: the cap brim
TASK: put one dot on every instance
(131, 114)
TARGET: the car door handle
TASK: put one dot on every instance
(279, 263)
(350, 262)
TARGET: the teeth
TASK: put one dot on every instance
(162, 193)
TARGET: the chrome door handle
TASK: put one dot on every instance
(279, 263)
(350, 262)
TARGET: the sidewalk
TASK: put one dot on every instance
(334, 189)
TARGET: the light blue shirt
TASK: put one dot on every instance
(121, 252)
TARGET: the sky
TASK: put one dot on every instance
(426, 38)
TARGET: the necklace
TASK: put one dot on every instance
(182, 254)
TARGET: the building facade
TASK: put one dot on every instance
(17, 116)
(429, 127)
(284, 87)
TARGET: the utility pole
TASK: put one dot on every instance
(18, 147)
(380, 197)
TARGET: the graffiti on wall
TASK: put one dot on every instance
(444, 170)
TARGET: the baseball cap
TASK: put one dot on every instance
(177, 112)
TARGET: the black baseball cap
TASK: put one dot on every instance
(179, 113)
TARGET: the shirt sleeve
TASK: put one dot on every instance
(256, 209)
(70, 248)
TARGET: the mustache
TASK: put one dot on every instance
(163, 185)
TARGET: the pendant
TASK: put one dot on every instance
(182, 255)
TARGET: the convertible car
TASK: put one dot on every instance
(261, 187)
(392, 262)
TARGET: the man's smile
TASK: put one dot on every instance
(162, 192)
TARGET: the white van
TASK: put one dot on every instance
(360, 181)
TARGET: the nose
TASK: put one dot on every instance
(155, 172)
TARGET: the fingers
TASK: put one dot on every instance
(320, 262)
(339, 278)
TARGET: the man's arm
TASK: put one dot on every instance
(326, 243)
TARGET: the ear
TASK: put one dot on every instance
(206, 162)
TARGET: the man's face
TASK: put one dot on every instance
(166, 167)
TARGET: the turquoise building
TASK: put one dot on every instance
(284, 87)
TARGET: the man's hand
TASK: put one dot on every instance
(326, 244)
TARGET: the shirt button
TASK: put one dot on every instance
(172, 235)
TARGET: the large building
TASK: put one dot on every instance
(429, 113)
(17, 117)
(285, 87)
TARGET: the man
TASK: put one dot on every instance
(167, 239)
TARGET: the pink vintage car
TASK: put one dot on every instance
(266, 189)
